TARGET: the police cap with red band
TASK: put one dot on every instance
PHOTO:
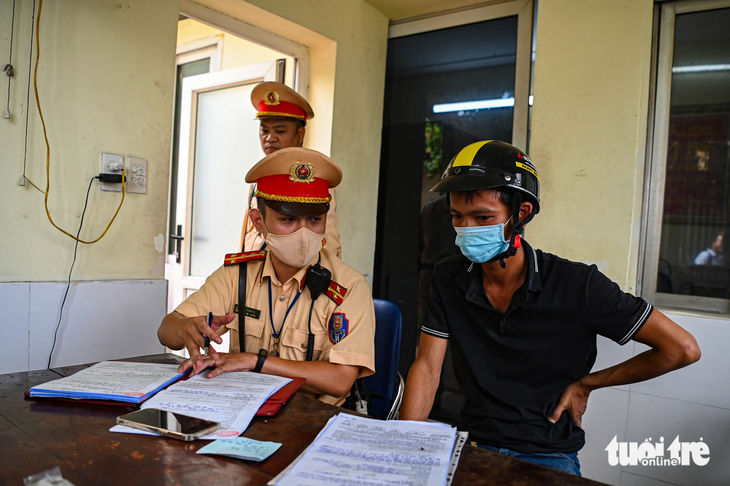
(295, 181)
(277, 100)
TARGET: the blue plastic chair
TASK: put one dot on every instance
(384, 390)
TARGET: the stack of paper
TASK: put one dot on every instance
(120, 381)
(355, 450)
(231, 399)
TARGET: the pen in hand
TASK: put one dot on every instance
(206, 344)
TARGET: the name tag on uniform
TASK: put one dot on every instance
(248, 312)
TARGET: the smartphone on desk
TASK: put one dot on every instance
(169, 424)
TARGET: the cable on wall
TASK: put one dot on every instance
(27, 103)
(48, 146)
(68, 285)
(8, 69)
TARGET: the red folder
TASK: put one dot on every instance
(278, 399)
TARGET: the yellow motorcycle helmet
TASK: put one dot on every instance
(492, 165)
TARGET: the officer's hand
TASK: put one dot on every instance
(224, 362)
(195, 332)
(196, 365)
(575, 400)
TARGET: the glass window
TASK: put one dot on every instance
(691, 161)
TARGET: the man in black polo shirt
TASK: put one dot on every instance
(526, 321)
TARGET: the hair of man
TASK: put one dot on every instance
(504, 196)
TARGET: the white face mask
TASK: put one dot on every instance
(295, 249)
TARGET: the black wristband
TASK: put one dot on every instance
(260, 363)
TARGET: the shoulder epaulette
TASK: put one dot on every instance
(247, 256)
(336, 292)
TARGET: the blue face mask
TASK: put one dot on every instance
(482, 243)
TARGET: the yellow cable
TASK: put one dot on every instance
(48, 146)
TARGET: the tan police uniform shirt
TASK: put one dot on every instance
(219, 295)
(252, 240)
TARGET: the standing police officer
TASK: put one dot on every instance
(304, 312)
(283, 115)
(526, 321)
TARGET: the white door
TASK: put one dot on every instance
(218, 145)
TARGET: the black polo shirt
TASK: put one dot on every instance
(523, 360)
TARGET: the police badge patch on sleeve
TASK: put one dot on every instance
(338, 327)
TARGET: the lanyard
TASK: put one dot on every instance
(271, 318)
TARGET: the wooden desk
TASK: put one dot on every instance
(41, 434)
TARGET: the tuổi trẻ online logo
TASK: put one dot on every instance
(646, 453)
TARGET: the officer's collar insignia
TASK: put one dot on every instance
(301, 172)
(236, 258)
(336, 292)
(338, 327)
(271, 98)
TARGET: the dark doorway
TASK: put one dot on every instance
(469, 63)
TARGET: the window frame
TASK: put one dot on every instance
(657, 146)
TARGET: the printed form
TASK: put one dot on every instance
(111, 380)
(231, 399)
(355, 450)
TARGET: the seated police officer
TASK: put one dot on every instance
(305, 313)
(526, 321)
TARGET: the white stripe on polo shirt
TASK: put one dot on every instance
(433, 332)
(639, 322)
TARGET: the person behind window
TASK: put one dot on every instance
(712, 255)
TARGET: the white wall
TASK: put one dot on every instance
(105, 79)
(589, 126)
(101, 320)
(692, 403)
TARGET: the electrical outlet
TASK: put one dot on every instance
(111, 164)
(136, 175)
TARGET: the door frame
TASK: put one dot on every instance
(210, 47)
(257, 35)
(523, 9)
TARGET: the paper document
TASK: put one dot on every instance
(231, 399)
(355, 450)
(122, 381)
(241, 448)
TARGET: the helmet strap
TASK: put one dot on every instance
(518, 228)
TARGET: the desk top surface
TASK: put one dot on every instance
(41, 434)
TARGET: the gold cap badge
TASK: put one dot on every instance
(271, 98)
(301, 172)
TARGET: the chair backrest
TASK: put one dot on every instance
(385, 381)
